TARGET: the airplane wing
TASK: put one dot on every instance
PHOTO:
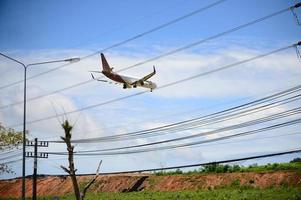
(102, 80)
(145, 77)
(96, 71)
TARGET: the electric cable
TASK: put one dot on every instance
(11, 156)
(221, 130)
(290, 151)
(12, 161)
(176, 146)
(229, 128)
(188, 124)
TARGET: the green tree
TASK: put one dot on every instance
(9, 139)
(296, 160)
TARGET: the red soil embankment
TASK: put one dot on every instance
(58, 186)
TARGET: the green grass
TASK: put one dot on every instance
(233, 193)
(217, 168)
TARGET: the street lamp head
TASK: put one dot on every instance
(72, 60)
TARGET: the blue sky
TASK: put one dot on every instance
(63, 24)
(35, 31)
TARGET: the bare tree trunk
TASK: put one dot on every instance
(71, 171)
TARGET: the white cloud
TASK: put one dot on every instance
(255, 79)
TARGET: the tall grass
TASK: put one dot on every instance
(218, 194)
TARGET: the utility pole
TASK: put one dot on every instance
(35, 168)
(35, 155)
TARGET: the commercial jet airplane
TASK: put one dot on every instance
(127, 82)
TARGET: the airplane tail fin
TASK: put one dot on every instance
(105, 64)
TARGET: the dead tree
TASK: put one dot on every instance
(71, 171)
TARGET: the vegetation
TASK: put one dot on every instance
(233, 193)
(9, 139)
(234, 190)
(296, 160)
(295, 164)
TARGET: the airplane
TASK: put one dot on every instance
(127, 82)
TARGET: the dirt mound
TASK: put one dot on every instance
(210, 181)
(57, 186)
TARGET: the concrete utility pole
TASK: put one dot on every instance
(35, 168)
(35, 155)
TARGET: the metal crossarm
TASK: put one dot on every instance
(30, 154)
(39, 144)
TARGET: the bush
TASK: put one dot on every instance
(219, 168)
(296, 160)
(235, 183)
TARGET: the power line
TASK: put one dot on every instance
(11, 156)
(127, 40)
(212, 116)
(217, 117)
(224, 129)
(12, 161)
(252, 139)
(176, 146)
(198, 164)
(216, 120)
(116, 151)
(164, 86)
(8, 151)
(189, 144)
(248, 140)
(215, 162)
(162, 55)
(229, 142)
(156, 118)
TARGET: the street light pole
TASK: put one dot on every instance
(24, 134)
(24, 107)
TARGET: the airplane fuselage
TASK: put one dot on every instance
(127, 81)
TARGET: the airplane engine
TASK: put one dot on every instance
(141, 83)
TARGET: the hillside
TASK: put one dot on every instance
(58, 186)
